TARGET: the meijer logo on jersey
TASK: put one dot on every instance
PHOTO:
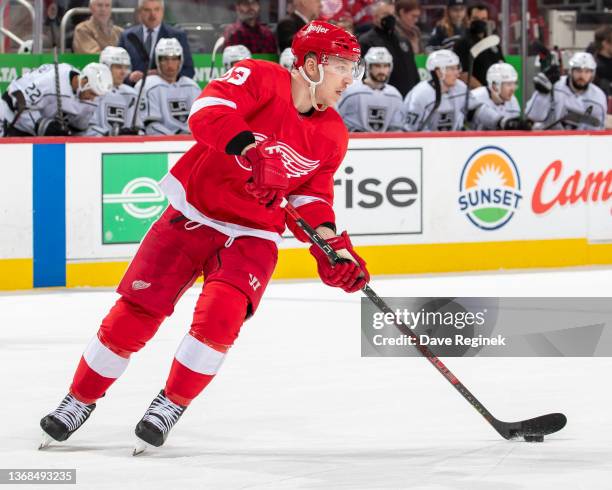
(489, 188)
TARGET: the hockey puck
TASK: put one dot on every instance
(535, 438)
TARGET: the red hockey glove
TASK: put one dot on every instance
(269, 181)
(349, 274)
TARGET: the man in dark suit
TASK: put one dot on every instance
(304, 12)
(151, 30)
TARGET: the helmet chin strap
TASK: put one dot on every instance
(496, 96)
(80, 88)
(313, 87)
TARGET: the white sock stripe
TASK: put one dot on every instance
(198, 356)
(103, 360)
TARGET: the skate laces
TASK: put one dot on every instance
(71, 412)
(163, 413)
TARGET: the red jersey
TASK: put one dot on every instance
(207, 184)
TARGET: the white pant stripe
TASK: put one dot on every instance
(103, 360)
(198, 356)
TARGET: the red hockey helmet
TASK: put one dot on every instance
(324, 40)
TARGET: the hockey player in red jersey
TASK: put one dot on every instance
(263, 135)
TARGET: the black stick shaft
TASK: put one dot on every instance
(148, 59)
(382, 306)
(59, 114)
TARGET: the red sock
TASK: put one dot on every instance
(124, 330)
(218, 316)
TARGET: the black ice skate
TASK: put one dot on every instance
(64, 420)
(153, 428)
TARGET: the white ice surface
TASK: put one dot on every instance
(295, 406)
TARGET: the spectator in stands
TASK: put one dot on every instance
(405, 74)
(479, 28)
(248, 31)
(150, 31)
(363, 14)
(603, 58)
(339, 11)
(303, 12)
(345, 20)
(449, 28)
(408, 13)
(97, 32)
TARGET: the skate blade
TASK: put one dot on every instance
(46, 441)
(140, 447)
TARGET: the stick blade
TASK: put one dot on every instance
(538, 426)
(218, 43)
(484, 44)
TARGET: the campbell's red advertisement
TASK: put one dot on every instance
(556, 188)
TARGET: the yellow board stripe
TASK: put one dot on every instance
(405, 259)
(16, 274)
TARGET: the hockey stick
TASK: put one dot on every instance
(438, 90)
(148, 59)
(59, 115)
(475, 51)
(532, 430)
(213, 57)
(576, 118)
(21, 107)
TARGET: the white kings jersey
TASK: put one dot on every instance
(420, 101)
(164, 107)
(115, 111)
(6, 116)
(38, 88)
(366, 109)
(488, 114)
(564, 103)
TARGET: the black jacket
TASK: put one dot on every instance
(482, 63)
(405, 74)
(286, 29)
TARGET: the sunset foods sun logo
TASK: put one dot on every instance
(489, 188)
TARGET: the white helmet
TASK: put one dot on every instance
(99, 79)
(114, 55)
(286, 59)
(234, 54)
(582, 60)
(168, 46)
(442, 58)
(499, 73)
(378, 55)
